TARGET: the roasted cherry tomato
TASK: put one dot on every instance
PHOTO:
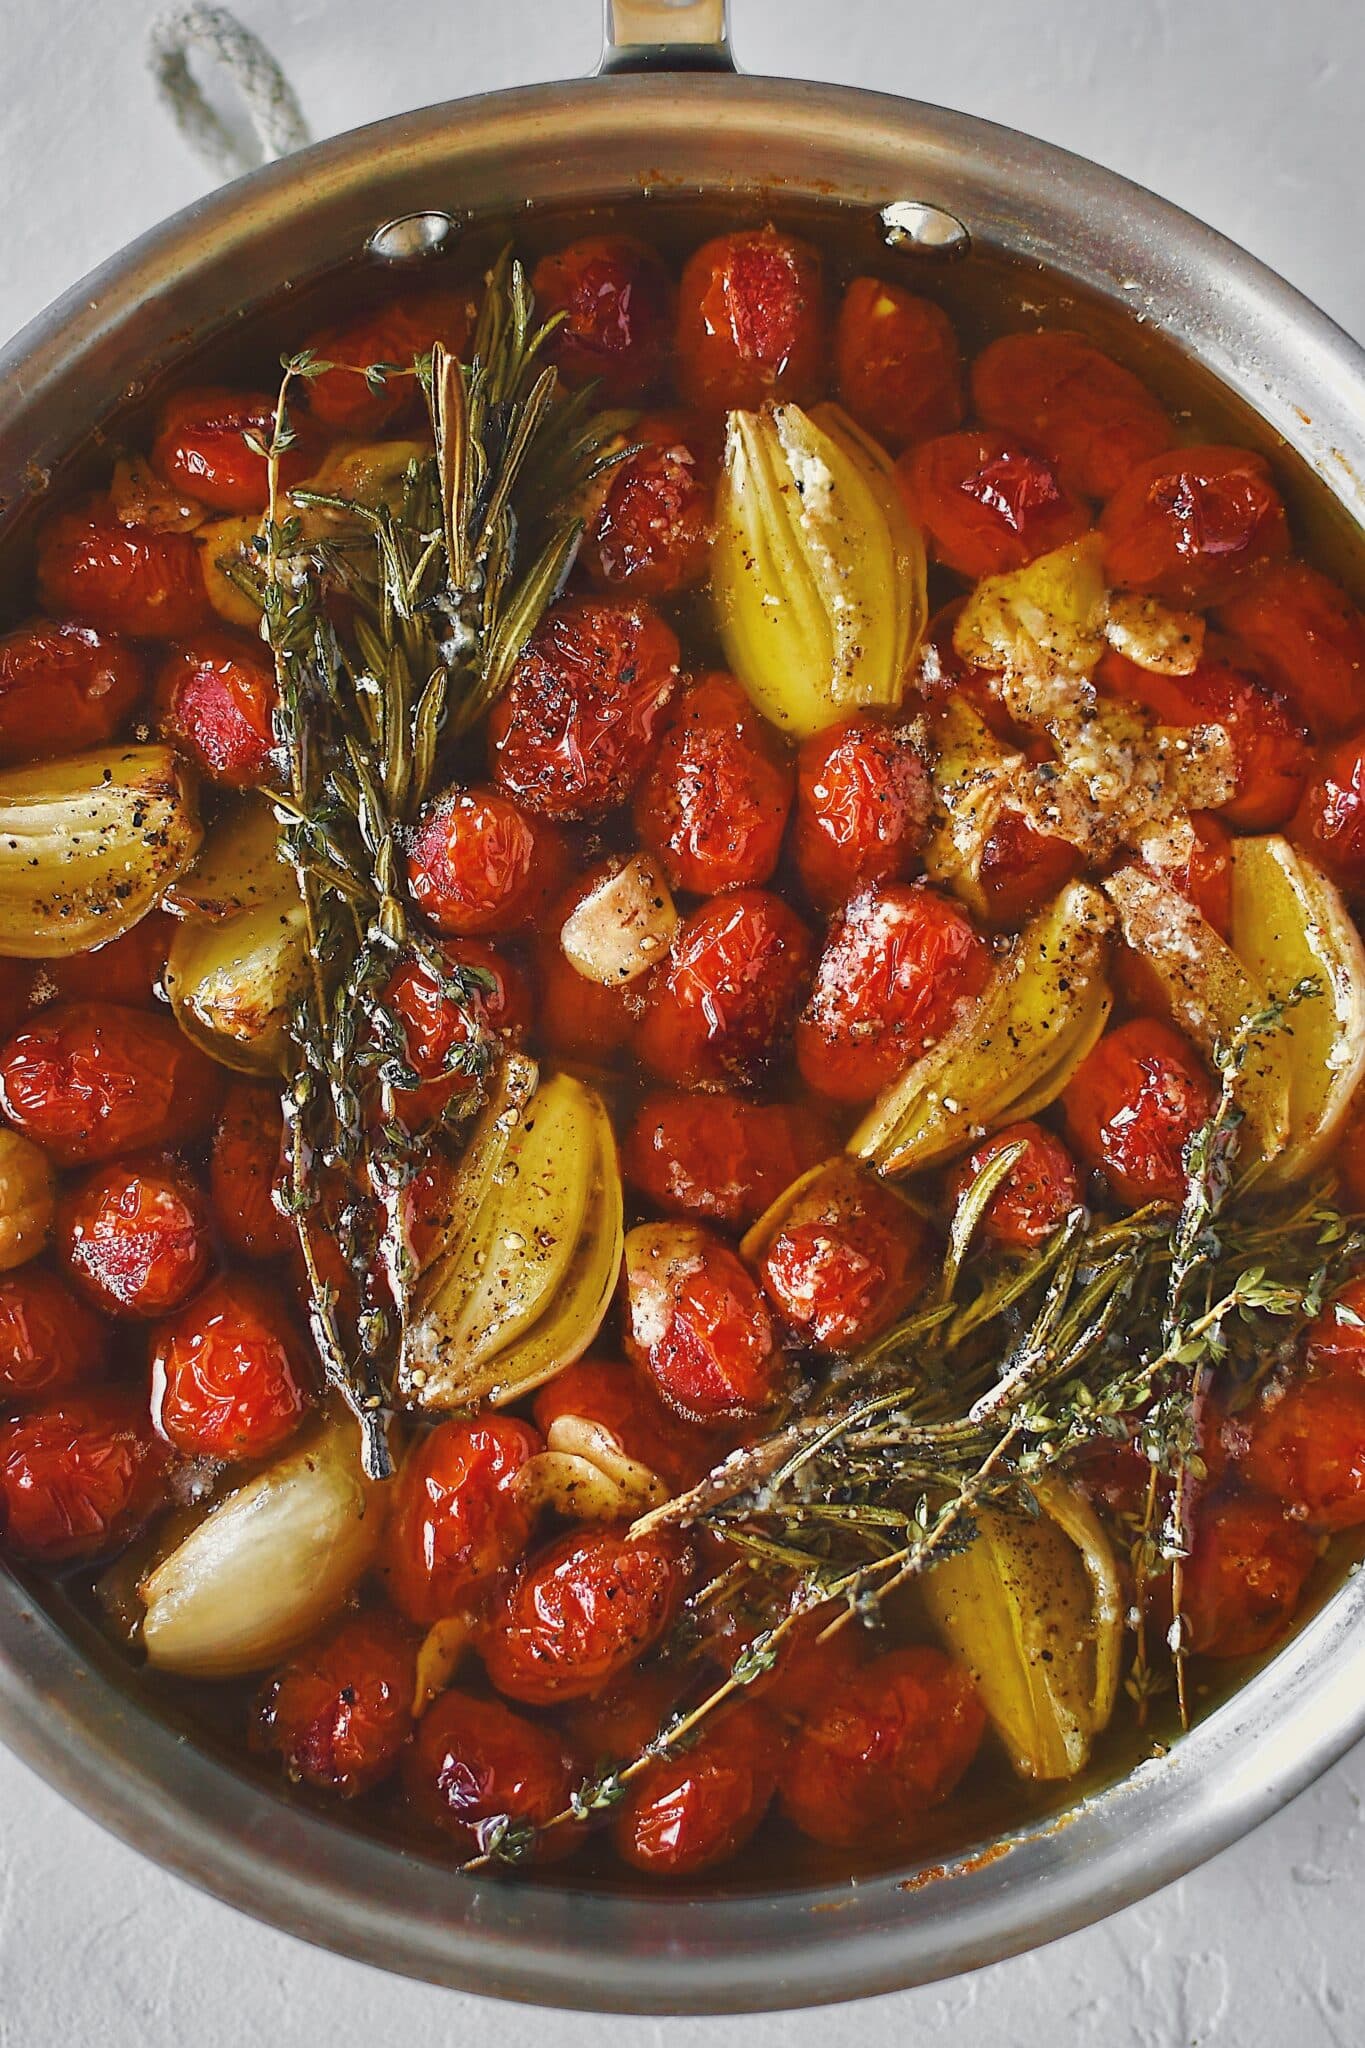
(1037, 1194)
(570, 734)
(457, 1515)
(863, 798)
(63, 687)
(697, 1325)
(202, 447)
(751, 322)
(444, 1036)
(576, 1018)
(652, 534)
(123, 579)
(1133, 1104)
(810, 1667)
(245, 1168)
(614, 1394)
(1202, 874)
(474, 1766)
(894, 1742)
(126, 970)
(231, 1376)
(1306, 1448)
(847, 1258)
(728, 992)
(617, 302)
(342, 399)
(1244, 1576)
(897, 363)
(985, 504)
(713, 803)
(1270, 755)
(692, 1812)
(897, 969)
(50, 1341)
(134, 1236)
(1330, 820)
(479, 863)
(1191, 525)
(1058, 393)
(340, 1712)
(1020, 870)
(719, 1157)
(215, 698)
(581, 1611)
(87, 1081)
(80, 1479)
(1308, 638)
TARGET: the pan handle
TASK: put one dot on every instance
(666, 35)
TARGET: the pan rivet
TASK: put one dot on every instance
(924, 230)
(411, 237)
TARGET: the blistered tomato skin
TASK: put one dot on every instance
(342, 400)
(1132, 1106)
(134, 1237)
(87, 1081)
(201, 447)
(652, 535)
(985, 504)
(879, 1754)
(121, 579)
(720, 1158)
(713, 804)
(897, 364)
(216, 699)
(1190, 526)
(583, 1610)
(1020, 870)
(1308, 638)
(50, 1342)
(717, 1010)
(846, 1260)
(898, 967)
(479, 864)
(1037, 1194)
(1244, 1576)
(63, 687)
(340, 1712)
(443, 1038)
(697, 1326)
(696, 1811)
(79, 1479)
(474, 1763)
(572, 731)
(751, 322)
(245, 1168)
(863, 800)
(617, 302)
(231, 1376)
(457, 1516)
(1330, 821)
(1058, 393)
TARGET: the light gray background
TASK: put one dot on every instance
(1248, 114)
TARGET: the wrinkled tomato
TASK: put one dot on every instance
(245, 1168)
(231, 1374)
(583, 1610)
(716, 1010)
(751, 322)
(50, 1341)
(1037, 1193)
(202, 447)
(570, 734)
(720, 1157)
(848, 1257)
(713, 803)
(63, 687)
(1020, 870)
(457, 1515)
(691, 1812)
(215, 698)
(1330, 820)
(897, 364)
(479, 863)
(134, 1237)
(617, 305)
(696, 1324)
(1308, 638)
(898, 968)
(863, 799)
(1088, 414)
(87, 1081)
(985, 504)
(1132, 1106)
(474, 1766)
(1244, 1576)
(652, 534)
(1192, 524)
(396, 334)
(340, 1712)
(122, 579)
(79, 1479)
(443, 1037)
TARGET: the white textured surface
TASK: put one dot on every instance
(1250, 117)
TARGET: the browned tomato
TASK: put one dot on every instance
(231, 1377)
(985, 503)
(90, 1080)
(717, 1009)
(652, 534)
(616, 300)
(474, 1765)
(1091, 417)
(215, 698)
(1330, 821)
(340, 1712)
(751, 322)
(457, 1516)
(122, 579)
(1132, 1106)
(848, 1258)
(1308, 638)
(203, 447)
(134, 1236)
(693, 1811)
(1244, 1576)
(1191, 525)
(480, 863)
(863, 798)
(78, 1480)
(50, 1342)
(697, 1326)
(897, 364)
(63, 687)
(342, 398)
(245, 1168)
(580, 1612)
(713, 804)
(1037, 1194)
(721, 1158)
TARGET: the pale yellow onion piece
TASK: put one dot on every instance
(1034, 1609)
(28, 1194)
(270, 1564)
(972, 778)
(370, 473)
(623, 926)
(1041, 627)
(510, 1089)
(585, 1475)
(911, 583)
(228, 544)
(1211, 994)
(1009, 1055)
(87, 844)
(1289, 922)
(238, 867)
(817, 581)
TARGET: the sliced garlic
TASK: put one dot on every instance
(623, 926)
(585, 1474)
